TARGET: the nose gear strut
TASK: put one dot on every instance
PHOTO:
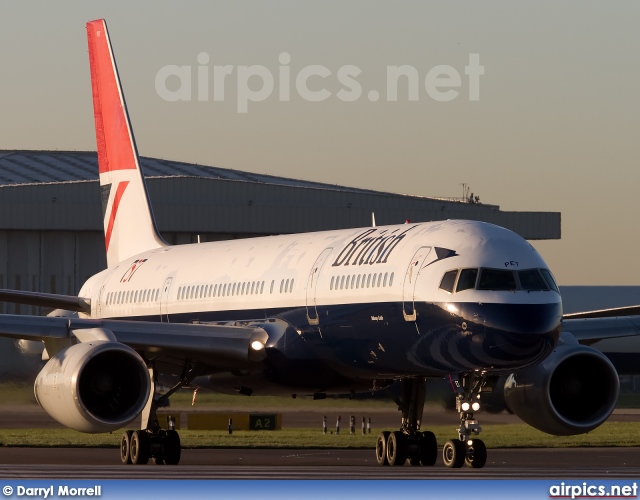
(420, 448)
(466, 449)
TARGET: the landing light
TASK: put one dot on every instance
(465, 406)
(451, 308)
(475, 406)
(256, 345)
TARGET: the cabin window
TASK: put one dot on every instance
(262, 287)
(384, 283)
(467, 279)
(272, 283)
(332, 280)
(391, 280)
(379, 280)
(368, 280)
(448, 280)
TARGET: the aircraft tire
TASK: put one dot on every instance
(476, 455)
(381, 448)
(453, 453)
(140, 448)
(171, 447)
(396, 448)
(428, 448)
(125, 448)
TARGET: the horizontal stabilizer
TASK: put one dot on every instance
(52, 300)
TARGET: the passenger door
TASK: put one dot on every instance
(312, 286)
(164, 300)
(410, 280)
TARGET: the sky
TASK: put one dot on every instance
(534, 105)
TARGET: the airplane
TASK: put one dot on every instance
(332, 312)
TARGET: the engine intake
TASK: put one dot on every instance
(94, 386)
(572, 391)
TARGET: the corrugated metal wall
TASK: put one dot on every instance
(220, 206)
(51, 236)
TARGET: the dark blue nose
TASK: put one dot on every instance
(495, 336)
(516, 334)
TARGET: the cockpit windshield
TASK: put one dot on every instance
(532, 280)
(498, 280)
(467, 279)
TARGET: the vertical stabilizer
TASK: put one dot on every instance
(129, 226)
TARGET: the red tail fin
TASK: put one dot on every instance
(128, 220)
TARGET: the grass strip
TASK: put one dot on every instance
(495, 436)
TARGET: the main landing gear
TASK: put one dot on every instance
(152, 442)
(420, 448)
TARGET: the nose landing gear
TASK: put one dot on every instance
(420, 448)
(465, 450)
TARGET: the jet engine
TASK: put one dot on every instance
(94, 386)
(572, 391)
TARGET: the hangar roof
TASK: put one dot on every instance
(56, 191)
(44, 167)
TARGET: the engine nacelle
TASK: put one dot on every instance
(94, 386)
(572, 391)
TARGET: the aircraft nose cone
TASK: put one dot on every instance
(495, 336)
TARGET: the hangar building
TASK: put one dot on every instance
(51, 235)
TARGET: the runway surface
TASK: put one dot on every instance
(80, 463)
(84, 463)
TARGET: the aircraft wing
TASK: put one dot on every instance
(605, 313)
(216, 346)
(590, 330)
(52, 300)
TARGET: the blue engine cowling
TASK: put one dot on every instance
(572, 391)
